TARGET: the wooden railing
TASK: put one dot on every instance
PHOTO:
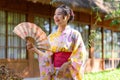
(112, 63)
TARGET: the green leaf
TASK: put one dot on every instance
(115, 22)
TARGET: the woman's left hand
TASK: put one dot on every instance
(63, 69)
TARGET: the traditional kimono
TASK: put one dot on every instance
(69, 41)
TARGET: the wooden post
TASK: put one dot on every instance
(112, 50)
(30, 18)
(50, 26)
(92, 46)
(103, 60)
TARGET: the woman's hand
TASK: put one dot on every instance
(63, 70)
(31, 47)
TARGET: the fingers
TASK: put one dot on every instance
(59, 74)
(32, 50)
(29, 45)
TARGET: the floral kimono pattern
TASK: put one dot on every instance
(69, 40)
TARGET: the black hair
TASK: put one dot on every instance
(67, 11)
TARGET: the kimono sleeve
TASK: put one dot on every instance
(45, 66)
(78, 55)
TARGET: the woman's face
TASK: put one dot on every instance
(59, 17)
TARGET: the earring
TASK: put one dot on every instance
(65, 18)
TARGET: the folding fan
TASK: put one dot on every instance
(31, 31)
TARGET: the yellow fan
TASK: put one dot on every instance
(31, 31)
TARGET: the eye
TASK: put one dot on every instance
(59, 14)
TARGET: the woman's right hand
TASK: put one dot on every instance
(31, 47)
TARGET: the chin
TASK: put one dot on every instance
(57, 23)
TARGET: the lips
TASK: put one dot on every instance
(57, 20)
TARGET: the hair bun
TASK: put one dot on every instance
(71, 15)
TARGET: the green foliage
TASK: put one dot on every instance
(8, 74)
(97, 17)
(93, 34)
(91, 37)
(104, 75)
(115, 14)
(115, 22)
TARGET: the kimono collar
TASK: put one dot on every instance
(65, 30)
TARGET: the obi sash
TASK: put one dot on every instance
(60, 57)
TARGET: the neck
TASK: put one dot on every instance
(61, 28)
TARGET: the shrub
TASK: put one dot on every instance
(8, 74)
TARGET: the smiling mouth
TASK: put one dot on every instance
(57, 20)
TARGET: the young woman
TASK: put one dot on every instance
(68, 53)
